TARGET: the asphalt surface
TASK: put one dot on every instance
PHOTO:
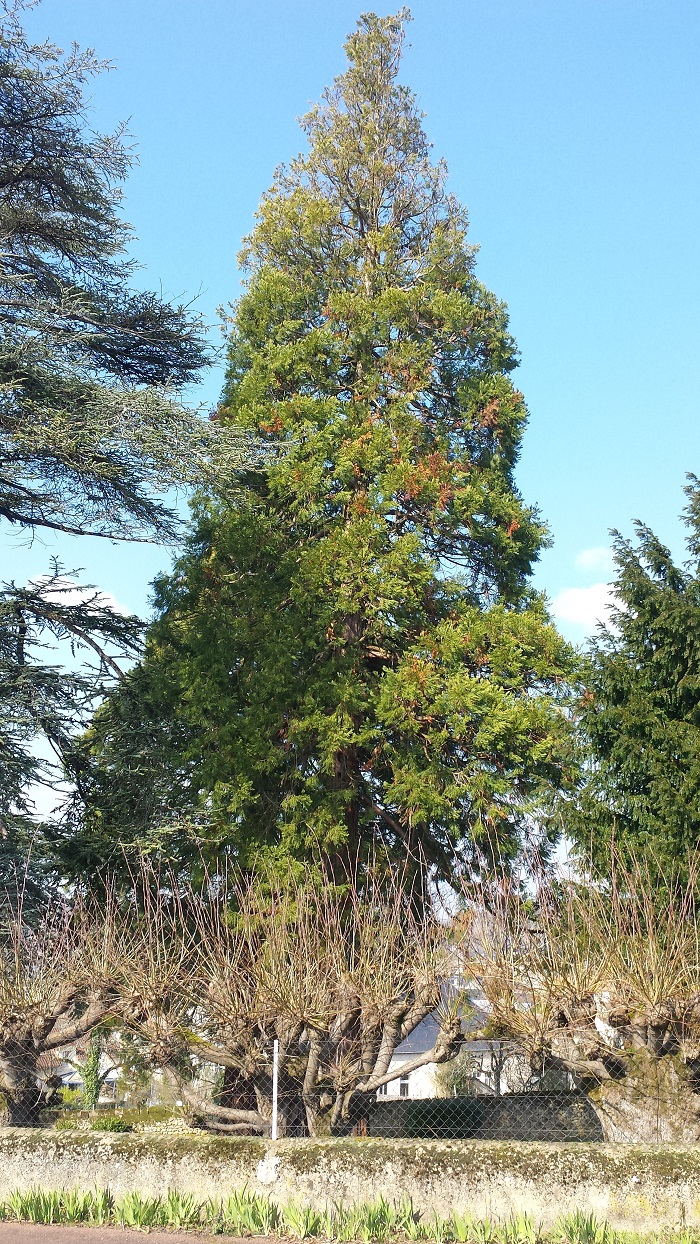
(31, 1233)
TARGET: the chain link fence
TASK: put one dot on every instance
(567, 1115)
(488, 1092)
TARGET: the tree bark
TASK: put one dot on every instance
(654, 1102)
(22, 1096)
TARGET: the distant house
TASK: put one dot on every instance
(65, 1064)
(423, 1082)
(491, 1068)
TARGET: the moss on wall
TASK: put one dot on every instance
(624, 1183)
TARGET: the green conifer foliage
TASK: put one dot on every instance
(93, 432)
(640, 716)
(350, 653)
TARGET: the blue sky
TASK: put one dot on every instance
(570, 128)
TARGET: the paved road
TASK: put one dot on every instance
(30, 1233)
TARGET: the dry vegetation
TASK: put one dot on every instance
(60, 975)
(338, 978)
(601, 978)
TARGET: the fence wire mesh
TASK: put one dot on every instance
(489, 1092)
(567, 1115)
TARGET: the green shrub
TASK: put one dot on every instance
(72, 1098)
(181, 1209)
(112, 1123)
(134, 1210)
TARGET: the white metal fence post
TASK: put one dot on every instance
(275, 1082)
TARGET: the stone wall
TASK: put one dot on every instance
(634, 1187)
(515, 1116)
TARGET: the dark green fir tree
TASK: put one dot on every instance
(640, 716)
(349, 658)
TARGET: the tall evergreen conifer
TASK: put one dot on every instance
(640, 716)
(350, 655)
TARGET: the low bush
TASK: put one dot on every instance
(72, 1099)
(111, 1123)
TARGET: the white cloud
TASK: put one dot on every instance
(67, 591)
(584, 606)
(600, 558)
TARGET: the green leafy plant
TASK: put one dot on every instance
(440, 1230)
(76, 1206)
(182, 1210)
(72, 1098)
(101, 1207)
(343, 1224)
(462, 1228)
(91, 1071)
(111, 1123)
(408, 1220)
(35, 1205)
(581, 1228)
(247, 1213)
(484, 1232)
(520, 1229)
(302, 1221)
(379, 1221)
(134, 1210)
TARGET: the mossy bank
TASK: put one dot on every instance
(634, 1187)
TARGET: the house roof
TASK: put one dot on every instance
(425, 1034)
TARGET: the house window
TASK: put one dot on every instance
(403, 1086)
(381, 1091)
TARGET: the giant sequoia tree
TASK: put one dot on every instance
(349, 654)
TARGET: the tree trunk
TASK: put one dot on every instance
(656, 1101)
(345, 1115)
(23, 1109)
(238, 1091)
(318, 1117)
(22, 1097)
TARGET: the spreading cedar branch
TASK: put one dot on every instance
(93, 430)
(38, 694)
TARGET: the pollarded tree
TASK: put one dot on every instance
(349, 653)
(340, 978)
(600, 978)
(60, 975)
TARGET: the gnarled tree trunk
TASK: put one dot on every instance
(656, 1100)
(22, 1095)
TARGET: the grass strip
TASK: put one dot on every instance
(249, 1213)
